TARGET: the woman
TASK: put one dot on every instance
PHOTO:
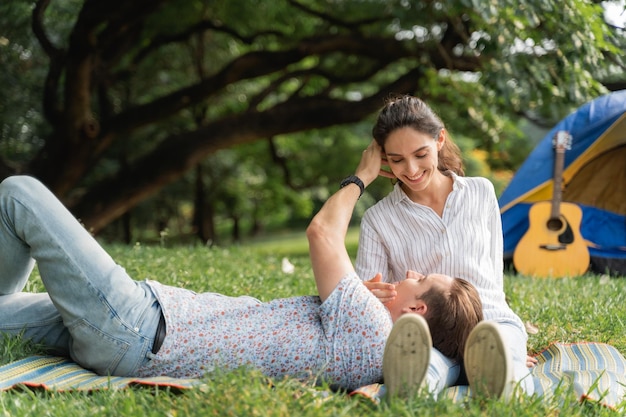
(436, 220)
(106, 321)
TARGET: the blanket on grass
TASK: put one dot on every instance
(595, 372)
(61, 374)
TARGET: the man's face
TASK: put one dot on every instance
(411, 290)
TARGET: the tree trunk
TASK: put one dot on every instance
(203, 216)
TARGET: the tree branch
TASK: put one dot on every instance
(257, 64)
(177, 154)
(334, 20)
(39, 31)
(51, 107)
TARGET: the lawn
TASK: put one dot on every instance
(588, 308)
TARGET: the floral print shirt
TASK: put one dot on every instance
(340, 341)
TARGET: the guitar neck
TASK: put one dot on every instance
(559, 161)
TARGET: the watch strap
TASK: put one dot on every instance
(353, 179)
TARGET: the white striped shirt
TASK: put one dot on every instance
(398, 234)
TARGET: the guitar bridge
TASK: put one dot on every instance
(552, 247)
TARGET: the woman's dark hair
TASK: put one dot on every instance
(408, 111)
(451, 316)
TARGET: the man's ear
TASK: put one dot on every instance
(421, 307)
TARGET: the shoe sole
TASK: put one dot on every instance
(407, 356)
(487, 362)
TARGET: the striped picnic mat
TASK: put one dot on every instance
(594, 371)
(61, 374)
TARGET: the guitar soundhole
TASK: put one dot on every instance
(555, 224)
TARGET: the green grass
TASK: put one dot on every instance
(589, 308)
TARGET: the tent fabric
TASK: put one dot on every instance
(596, 183)
(594, 177)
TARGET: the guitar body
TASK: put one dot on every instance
(547, 251)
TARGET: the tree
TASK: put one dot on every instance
(137, 94)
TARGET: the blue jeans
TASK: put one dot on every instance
(92, 311)
(444, 372)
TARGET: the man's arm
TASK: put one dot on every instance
(327, 231)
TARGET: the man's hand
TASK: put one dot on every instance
(384, 291)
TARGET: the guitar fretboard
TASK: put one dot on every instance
(559, 160)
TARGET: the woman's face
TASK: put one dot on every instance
(410, 291)
(413, 156)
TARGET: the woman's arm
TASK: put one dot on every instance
(384, 291)
(327, 231)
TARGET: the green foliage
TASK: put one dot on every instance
(588, 308)
(267, 186)
(528, 35)
(172, 88)
(23, 69)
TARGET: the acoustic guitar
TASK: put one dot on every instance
(553, 247)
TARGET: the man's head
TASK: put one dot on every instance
(451, 307)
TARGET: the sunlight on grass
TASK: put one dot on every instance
(295, 243)
(588, 308)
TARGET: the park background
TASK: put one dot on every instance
(218, 122)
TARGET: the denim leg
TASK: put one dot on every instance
(442, 372)
(35, 318)
(32, 315)
(111, 318)
(516, 341)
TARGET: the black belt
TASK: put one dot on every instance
(159, 336)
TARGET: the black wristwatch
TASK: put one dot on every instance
(353, 179)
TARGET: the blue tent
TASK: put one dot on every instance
(594, 178)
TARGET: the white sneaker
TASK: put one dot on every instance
(488, 362)
(407, 356)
